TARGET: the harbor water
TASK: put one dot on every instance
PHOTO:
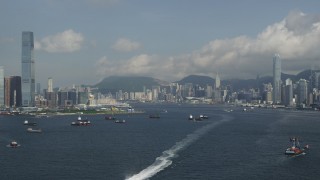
(231, 144)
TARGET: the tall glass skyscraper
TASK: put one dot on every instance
(28, 70)
(276, 79)
(1, 87)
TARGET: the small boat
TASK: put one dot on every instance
(81, 122)
(191, 117)
(13, 144)
(34, 130)
(204, 116)
(295, 149)
(109, 118)
(155, 116)
(120, 121)
(26, 122)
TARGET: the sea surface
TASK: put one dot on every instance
(229, 145)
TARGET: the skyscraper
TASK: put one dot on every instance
(28, 70)
(50, 89)
(1, 87)
(302, 92)
(217, 84)
(288, 93)
(276, 79)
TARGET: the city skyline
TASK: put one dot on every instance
(167, 40)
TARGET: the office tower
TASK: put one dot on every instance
(302, 91)
(38, 88)
(276, 79)
(13, 91)
(28, 70)
(288, 93)
(50, 89)
(217, 85)
(1, 87)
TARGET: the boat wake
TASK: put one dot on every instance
(165, 159)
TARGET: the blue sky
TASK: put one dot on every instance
(83, 41)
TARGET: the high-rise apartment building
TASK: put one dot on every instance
(276, 79)
(28, 70)
(1, 86)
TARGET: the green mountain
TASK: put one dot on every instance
(197, 79)
(128, 84)
(135, 84)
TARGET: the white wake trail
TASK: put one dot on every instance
(165, 159)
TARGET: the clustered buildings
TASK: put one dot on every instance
(21, 91)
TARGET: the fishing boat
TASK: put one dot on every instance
(296, 149)
(30, 130)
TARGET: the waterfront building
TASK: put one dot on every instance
(28, 70)
(12, 92)
(1, 86)
(276, 79)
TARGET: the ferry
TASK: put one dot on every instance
(295, 149)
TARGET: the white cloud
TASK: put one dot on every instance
(296, 38)
(67, 41)
(126, 45)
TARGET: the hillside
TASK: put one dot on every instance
(127, 84)
(135, 84)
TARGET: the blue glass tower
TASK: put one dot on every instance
(28, 70)
(276, 79)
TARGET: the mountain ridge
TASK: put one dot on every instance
(136, 83)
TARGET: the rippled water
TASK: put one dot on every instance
(235, 145)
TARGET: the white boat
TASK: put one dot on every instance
(26, 122)
(13, 144)
(81, 122)
(34, 130)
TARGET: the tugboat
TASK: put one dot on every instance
(13, 144)
(296, 149)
